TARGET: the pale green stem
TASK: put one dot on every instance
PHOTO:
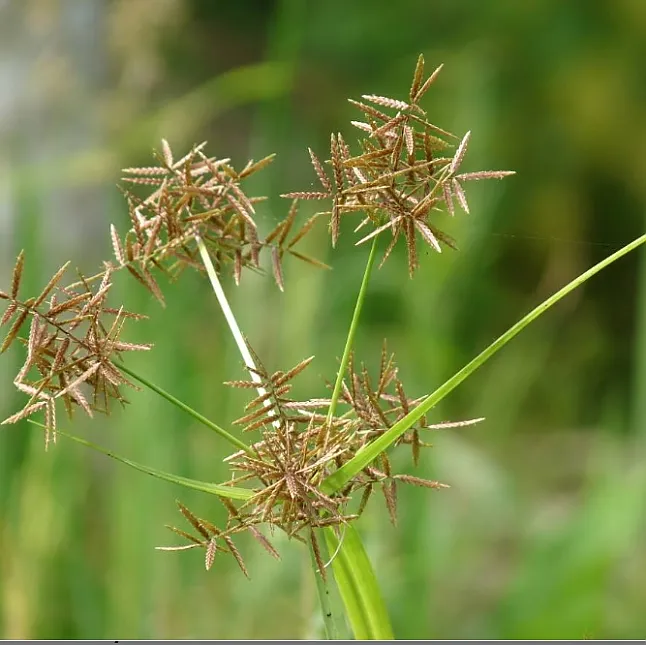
(226, 309)
(231, 321)
(354, 324)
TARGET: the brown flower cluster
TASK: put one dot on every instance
(401, 176)
(73, 342)
(300, 446)
(199, 198)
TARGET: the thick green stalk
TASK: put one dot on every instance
(358, 585)
(182, 406)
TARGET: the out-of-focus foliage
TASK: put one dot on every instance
(542, 534)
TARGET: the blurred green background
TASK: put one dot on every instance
(543, 532)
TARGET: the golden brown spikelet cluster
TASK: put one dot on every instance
(73, 342)
(301, 445)
(199, 197)
(403, 173)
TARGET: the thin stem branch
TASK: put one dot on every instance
(226, 310)
(182, 406)
(354, 324)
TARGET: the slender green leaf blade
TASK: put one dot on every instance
(206, 487)
(368, 453)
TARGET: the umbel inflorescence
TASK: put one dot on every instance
(401, 174)
(403, 170)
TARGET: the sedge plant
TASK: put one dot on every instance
(304, 467)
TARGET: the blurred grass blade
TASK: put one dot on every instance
(358, 586)
(243, 85)
(205, 487)
(367, 454)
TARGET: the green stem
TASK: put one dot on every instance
(182, 406)
(354, 324)
(358, 586)
(226, 310)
